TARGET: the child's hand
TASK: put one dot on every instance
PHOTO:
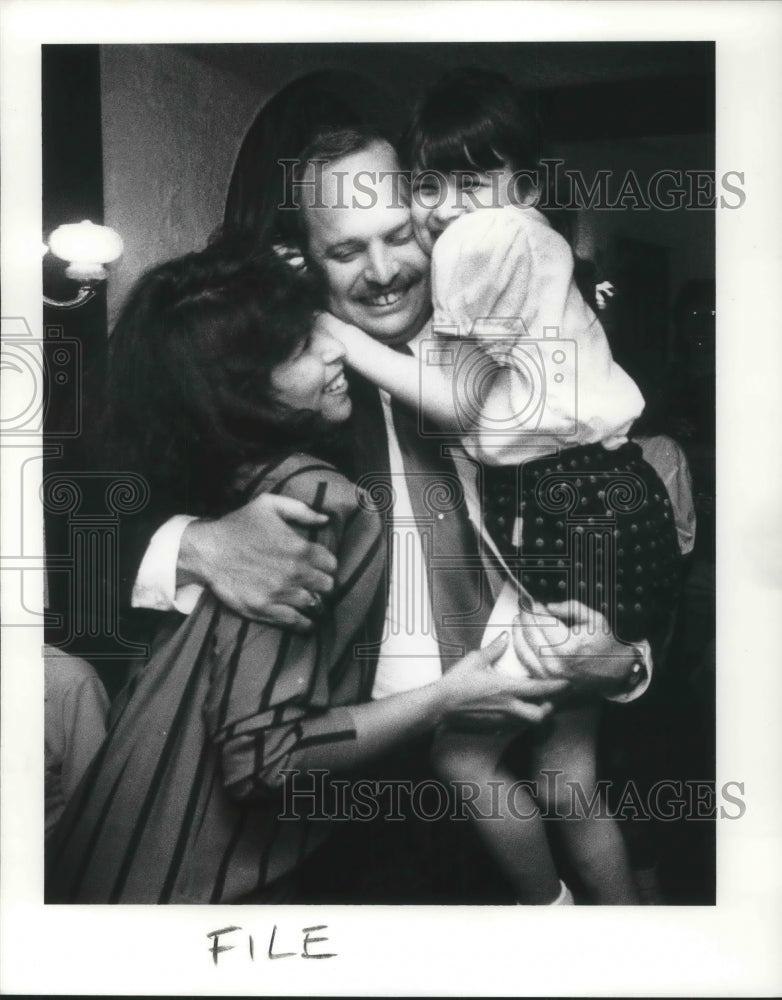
(351, 337)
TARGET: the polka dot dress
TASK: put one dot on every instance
(596, 526)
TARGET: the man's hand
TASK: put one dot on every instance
(481, 697)
(257, 562)
(571, 641)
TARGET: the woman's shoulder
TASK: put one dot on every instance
(304, 477)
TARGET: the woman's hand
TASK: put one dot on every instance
(474, 686)
(257, 562)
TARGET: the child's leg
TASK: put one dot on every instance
(509, 825)
(593, 839)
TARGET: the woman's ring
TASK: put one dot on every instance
(315, 602)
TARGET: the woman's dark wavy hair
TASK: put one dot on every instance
(188, 396)
(260, 182)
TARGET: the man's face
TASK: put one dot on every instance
(378, 276)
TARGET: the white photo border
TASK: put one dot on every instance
(729, 949)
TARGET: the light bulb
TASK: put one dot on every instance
(87, 247)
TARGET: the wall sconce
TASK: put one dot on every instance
(87, 248)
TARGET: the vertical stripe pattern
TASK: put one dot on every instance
(181, 805)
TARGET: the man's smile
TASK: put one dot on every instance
(389, 297)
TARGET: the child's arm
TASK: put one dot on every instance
(396, 372)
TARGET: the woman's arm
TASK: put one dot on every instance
(471, 684)
(343, 738)
(280, 701)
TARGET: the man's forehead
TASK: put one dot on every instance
(378, 157)
(356, 195)
(359, 222)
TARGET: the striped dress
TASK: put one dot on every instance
(182, 802)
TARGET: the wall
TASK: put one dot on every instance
(172, 127)
(174, 117)
(687, 232)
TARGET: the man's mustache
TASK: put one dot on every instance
(398, 284)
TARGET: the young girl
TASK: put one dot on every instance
(532, 390)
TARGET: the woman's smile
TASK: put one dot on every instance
(313, 379)
(338, 384)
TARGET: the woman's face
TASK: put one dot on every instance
(313, 378)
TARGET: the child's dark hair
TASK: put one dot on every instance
(472, 115)
(188, 391)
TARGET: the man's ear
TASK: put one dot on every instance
(292, 255)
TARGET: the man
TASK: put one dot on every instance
(356, 228)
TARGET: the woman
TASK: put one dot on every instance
(221, 385)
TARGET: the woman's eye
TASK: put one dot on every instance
(303, 347)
